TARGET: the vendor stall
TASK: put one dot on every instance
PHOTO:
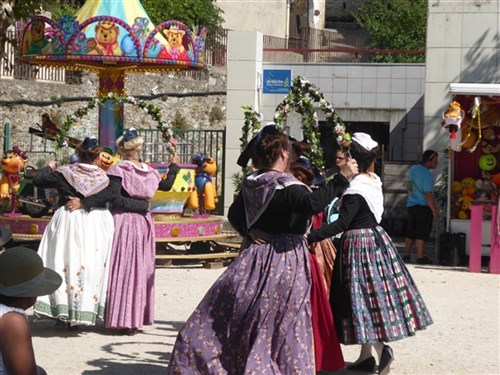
(473, 122)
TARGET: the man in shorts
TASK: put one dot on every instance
(421, 206)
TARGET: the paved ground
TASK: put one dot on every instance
(464, 339)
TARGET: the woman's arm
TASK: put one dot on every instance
(47, 178)
(16, 345)
(109, 194)
(303, 201)
(351, 204)
(112, 194)
(167, 183)
(236, 215)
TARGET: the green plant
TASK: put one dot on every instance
(180, 122)
(396, 25)
(250, 128)
(301, 97)
(215, 115)
(191, 12)
(237, 180)
(151, 109)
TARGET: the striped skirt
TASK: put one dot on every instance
(376, 299)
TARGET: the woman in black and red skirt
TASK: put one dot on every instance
(374, 298)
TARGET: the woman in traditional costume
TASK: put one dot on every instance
(374, 298)
(130, 303)
(256, 318)
(77, 245)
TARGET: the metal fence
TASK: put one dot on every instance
(189, 142)
(327, 45)
(216, 48)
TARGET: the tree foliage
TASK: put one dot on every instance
(191, 12)
(394, 24)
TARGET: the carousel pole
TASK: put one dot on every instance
(111, 81)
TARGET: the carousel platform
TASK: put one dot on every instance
(179, 238)
(168, 228)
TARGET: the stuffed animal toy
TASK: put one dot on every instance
(106, 158)
(488, 147)
(204, 197)
(487, 162)
(496, 180)
(464, 203)
(452, 118)
(468, 187)
(13, 163)
(469, 137)
(456, 187)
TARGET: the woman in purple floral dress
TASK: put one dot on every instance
(256, 318)
(130, 300)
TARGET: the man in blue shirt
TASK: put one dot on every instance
(421, 206)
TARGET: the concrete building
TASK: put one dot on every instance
(282, 19)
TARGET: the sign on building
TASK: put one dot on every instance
(277, 81)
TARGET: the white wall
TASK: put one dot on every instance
(244, 66)
(390, 93)
(270, 17)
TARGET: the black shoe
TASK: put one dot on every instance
(387, 357)
(367, 365)
(407, 258)
(424, 260)
(130, 331)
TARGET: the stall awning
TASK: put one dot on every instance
(488, 89)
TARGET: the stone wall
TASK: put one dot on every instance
(195, 109)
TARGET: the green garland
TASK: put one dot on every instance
(251, 127)
(301, 97)
(149, 108)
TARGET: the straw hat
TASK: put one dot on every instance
(5, 235)
(22, 274)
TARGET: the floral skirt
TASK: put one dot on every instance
(77, 245)
(377, 299)
(255, 319)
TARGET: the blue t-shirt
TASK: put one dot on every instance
(419, 182)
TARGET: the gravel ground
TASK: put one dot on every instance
(464, 338)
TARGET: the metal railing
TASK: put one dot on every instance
(327, 45)
(216, 48)
(189, 142)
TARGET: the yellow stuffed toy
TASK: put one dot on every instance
(464, 203)
(469, 187)
(13, 163)
(204, 197)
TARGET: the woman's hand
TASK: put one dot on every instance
(174, 159)
(53, 164)
(349, 169)
(259, 236)
(73, 204)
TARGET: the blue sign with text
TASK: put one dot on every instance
(277, 81)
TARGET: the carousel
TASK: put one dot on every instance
(112, 39)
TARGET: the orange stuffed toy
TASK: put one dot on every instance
(13, 162)
(204, 197)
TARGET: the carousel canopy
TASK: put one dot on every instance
(112, 33)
